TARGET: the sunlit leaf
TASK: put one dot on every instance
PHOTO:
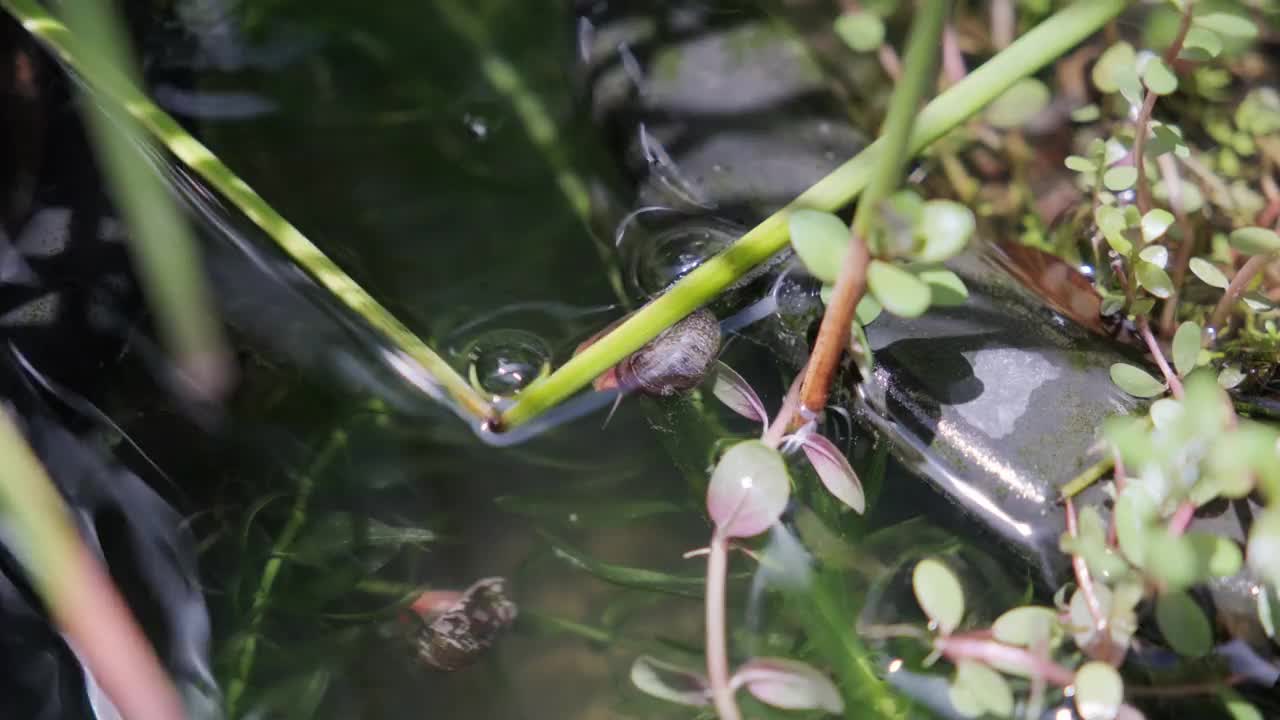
(1081, 164)
(669, 682)
(1133, 515)
(1157, 255)
(1264, 545)
(1183, 624)
(861, 30)
(1023, 625)
(821, 240)
(1186, 346)
(946, 227)
(1099, 691)
(748, 489)
(897, 290)
(945, 287)
(986, 686)
(1237, 707)
(1154, 279)
(1136, 381)
(939, 593)
(868, 309)
(834, 470)
(1230, 376)
(1016, 106)
(1121, 177)
(1158, 78)
(1227, 24)
(1201, 44)
(1155, 223)
(1209, 273)
(1105, 69)
(788, 684)
(735, 392)
(1255, 240)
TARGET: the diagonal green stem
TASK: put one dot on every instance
(1038, 47)
(121, 94)
(284, 541)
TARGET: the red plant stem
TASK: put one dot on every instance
(1182, 518)
(833, 334)
(1169, 170)
(995, 653)
(773, 435)
(95, 619)
(1170, 377)
(1148, 106)
(1084, 579)
(890, 61)
(1252, 267)
(953, 69)
(1004, 22)
(717, 647)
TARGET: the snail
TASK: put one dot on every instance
(455, 634)
(675, 361)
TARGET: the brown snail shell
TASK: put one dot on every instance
(677, 360)
(462, 633)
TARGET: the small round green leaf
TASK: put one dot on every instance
(748, 490)
(1136, 381)
(1155, 223)
(1237, 707)
(1264, 545)
(946, 289)
(821, 240)
(1227, 24)
(1086, 113)
(1158, 78)
(1080, 164)
(963, 701)
(1120, 178)
(868, 310)
(1201, 44)
(939, 593)
(861, 30)
(1157, 255)
(1209, 273)
(1183, 624)
(1254, 240)
(1133, 515)
(1117, 56)
(1154, 279)
(1186, 346)
(1018, 105)
(1023, 625)
(1099, 691)
(946, 227)
(897, 290)
(1230, 376)
(986, 686)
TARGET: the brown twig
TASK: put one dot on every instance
(1170, 377)
(1252, 267)
(833, 334)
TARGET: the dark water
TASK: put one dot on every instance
(379, 130)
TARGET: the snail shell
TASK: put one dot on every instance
(677, 360)
(461, 634)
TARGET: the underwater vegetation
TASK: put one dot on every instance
(683, 358)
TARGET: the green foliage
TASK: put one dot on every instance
(1099, 691)
(939, 593)
(1136, 381)
(1018, 105)
(861, 30)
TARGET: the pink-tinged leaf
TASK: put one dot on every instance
(669, 682)
(788, 684)
(834, 470)
(734, 391)
(748, 490)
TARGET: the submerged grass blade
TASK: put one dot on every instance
(79, 593)
(632, 577)
(1035, 49)
(125, 96)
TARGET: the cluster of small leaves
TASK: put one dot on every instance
(980, 686)
(905, 275)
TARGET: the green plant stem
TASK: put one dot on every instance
(161, 243)
(78, 591)
(1088, 477)
(1041, 45)
(851, 283)
(258, 606)
(538, 123)
(124, 95)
